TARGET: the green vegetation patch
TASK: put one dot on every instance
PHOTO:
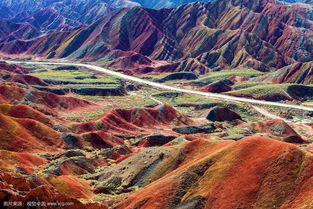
(107, 104)
(224, 74)
(105, 61)
(178, 76)
(71, 79)
(264, 89)
(154, 77)
(198, 106)
(278, 92)
(247, 84)
(74, 77)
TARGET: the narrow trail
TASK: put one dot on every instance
(268, 114)
(302, 128)
(149, 97)
(156, 100)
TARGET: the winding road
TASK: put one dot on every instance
(163, 86)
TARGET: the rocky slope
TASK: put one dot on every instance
(14, 31)
(73, 12)
(218, 35)
(176, 3)
(205, 180)
(117, 158)
(300, 73)
(54, 15)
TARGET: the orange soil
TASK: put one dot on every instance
(254, 172)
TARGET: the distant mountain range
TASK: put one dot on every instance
(66, 14)
(158, 4)
(85, 9)
(71, 12)
(60, 14)
(24, 19)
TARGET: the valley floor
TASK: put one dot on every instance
(73, 134)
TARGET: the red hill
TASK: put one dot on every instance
(270, 174)
(134, 120)
(220, 34)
